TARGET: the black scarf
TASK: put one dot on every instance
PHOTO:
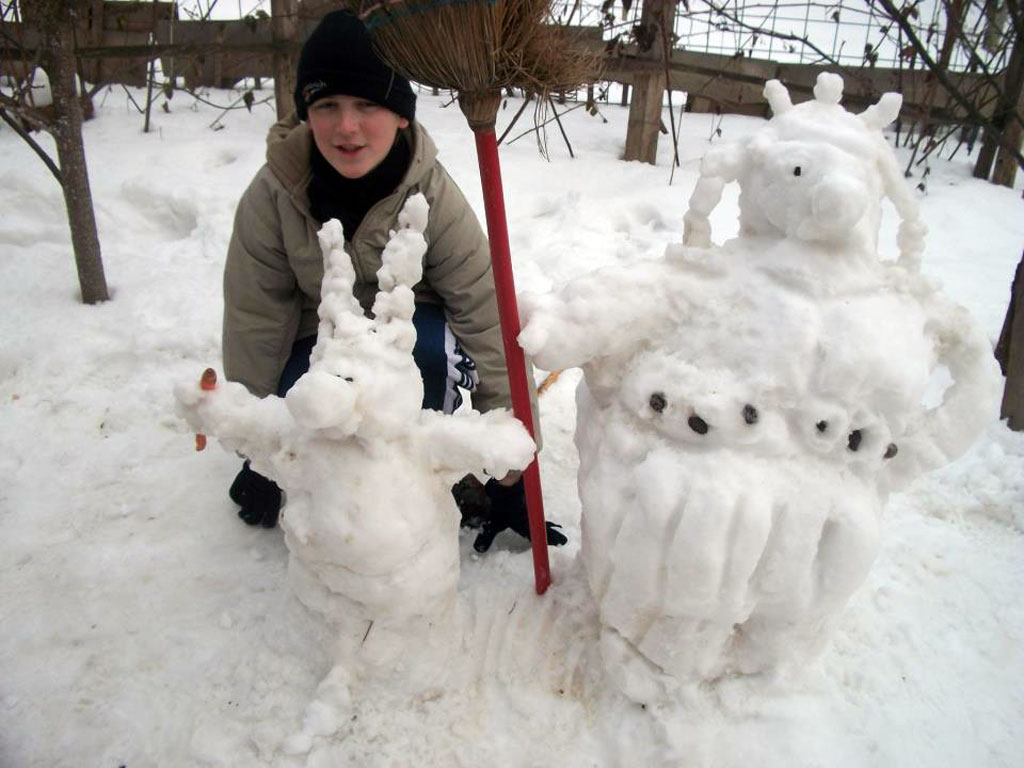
(332, 196)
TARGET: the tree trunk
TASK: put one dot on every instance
(1006, 122)
(1010, 353)
(1011, 115)
(1005, 171)
(284, 28)
(59, 63)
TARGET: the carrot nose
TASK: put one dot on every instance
(207, 383)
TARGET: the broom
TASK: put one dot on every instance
(476, 48)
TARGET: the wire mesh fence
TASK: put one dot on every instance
(847, 32)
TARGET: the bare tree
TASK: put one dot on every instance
(54, 21)
(996, 107)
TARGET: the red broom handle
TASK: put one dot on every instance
(508, 313)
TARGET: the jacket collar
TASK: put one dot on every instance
(289, 148)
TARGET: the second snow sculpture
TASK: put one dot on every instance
(370, 523)
(746, 409)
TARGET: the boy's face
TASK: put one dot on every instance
(354, 135)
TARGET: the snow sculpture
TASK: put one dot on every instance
(370, 523)
(746, 409)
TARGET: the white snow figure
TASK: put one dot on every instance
(746, 409)
(370, 522)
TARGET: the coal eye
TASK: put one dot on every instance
(797, 171)
(658, 402)
(854, 440)
(750, 414)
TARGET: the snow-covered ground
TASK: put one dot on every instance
(144, 624)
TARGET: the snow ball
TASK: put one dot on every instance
(320, 400)
(331, 236)
(415, 213)
(837, 204)
(829, 88)
(399, 303)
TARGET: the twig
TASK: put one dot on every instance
(666, 51)
(560, 128)
(550, 379)
(234, 105)
(720, 10)
(149, 91)
(538, 127)
(519, 113)
(132, 99)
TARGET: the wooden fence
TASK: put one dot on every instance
(117, 39)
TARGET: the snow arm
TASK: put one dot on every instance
(241, 421)
(597, 315)
(720, 165)
(494, 442)
(971, 402)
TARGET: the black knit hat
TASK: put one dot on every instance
(338, 59)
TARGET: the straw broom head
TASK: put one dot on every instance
(476, 48)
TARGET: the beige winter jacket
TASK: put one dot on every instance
(275, 267)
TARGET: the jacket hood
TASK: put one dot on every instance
(290, 147)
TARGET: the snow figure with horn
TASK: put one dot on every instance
(746, 408)
(371, 525)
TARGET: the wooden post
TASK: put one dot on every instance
(284, 17)
(1010, 353)
(656, 21)
(645, 117)
(218, 59)
(94, 72)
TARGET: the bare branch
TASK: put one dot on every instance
(27, 137)
(30, 115)
(942, 76)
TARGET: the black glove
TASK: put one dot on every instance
(471, 499)
(508, 510)
(258, 496)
